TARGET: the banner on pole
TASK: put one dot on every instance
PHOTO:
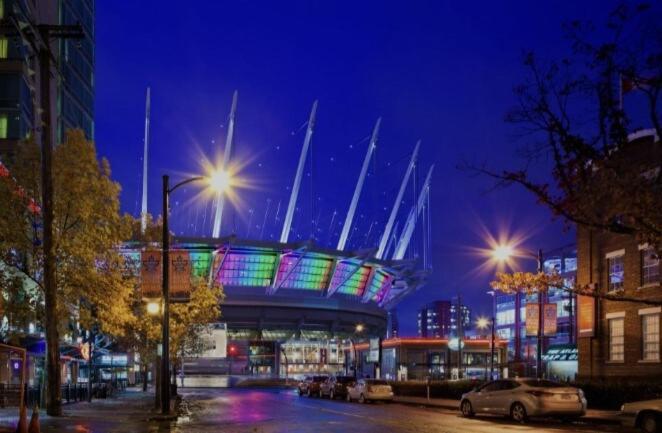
(550, 312)
(180, 276)
(585, 316)
(532, 319)
(151, 273)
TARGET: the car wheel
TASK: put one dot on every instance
(518, 412)
(331, 395)
(466, 409)
(650, 423)
(362, 399)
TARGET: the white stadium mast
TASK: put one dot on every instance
(297, 179)
(143, 209)
(359, 186)
(396, 205)
(227, 150)
(408, 231)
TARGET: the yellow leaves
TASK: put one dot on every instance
(525, 282)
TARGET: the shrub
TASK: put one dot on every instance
(452, 389)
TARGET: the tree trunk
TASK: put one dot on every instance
(53, 401)
(144, 377)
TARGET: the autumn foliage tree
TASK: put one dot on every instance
(91, 285)
(189, 321)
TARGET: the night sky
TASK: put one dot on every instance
(438, 71)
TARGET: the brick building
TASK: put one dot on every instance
(618, 339)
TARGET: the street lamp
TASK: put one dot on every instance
(492, 348)
(359, 328)
(218, 180)
(153, 308)
(505, 252)
(483, 323)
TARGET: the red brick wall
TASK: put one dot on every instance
(592, 268)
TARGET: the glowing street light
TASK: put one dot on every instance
(218, 181)
(482, 323)
(359, 327)
(503, 253)
(153, 308)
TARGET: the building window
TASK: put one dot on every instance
(616, 271)
(650, 335)
(3, 126)
(650, 267)
(616, 340)
(4, 48)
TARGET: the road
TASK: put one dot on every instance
(276, 411)
(271, 411)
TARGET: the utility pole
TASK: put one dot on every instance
(39, 37)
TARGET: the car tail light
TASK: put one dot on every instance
(541, 394)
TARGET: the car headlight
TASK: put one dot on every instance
(622, 408)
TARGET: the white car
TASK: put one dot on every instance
(522, 398)
(366, 390)
(646, 415)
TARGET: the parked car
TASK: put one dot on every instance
(310, 386)
(645, 415)
(302, 386)
(366, 390)
(524, 397)
(336, 386)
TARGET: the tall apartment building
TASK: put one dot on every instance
(439, 319)
(72, 89)
(620, 340)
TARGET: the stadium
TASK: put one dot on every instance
(298, 307)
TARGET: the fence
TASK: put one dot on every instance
(70, 393)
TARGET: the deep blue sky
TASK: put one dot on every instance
(439, 71)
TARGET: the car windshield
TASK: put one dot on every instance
(377, 382)
(319, 378)
(541, 383)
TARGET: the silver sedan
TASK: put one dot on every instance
(522, 398)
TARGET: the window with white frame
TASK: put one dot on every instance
(650, 335)
(616, 267)
(650, 266)
(616, 339)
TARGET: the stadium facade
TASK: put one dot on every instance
(295, 308)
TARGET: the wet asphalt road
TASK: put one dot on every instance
(272, 411)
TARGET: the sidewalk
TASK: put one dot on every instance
(131, 408)
(592, 416)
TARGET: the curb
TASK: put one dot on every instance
(585, 419)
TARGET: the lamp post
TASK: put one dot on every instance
(482, 323)
(492, 348)
(219, 180)
(504, 253)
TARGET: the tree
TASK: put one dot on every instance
(531, 283)
(571, 115)
(88, 230)
(189, 322)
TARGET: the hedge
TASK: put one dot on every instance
(452, 389)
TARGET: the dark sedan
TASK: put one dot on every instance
(336, 386)
(310, 386)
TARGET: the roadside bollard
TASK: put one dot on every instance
(22, 426)
(34, 421)
(427, 383)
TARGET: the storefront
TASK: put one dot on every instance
(435, 358)
(561, 362)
